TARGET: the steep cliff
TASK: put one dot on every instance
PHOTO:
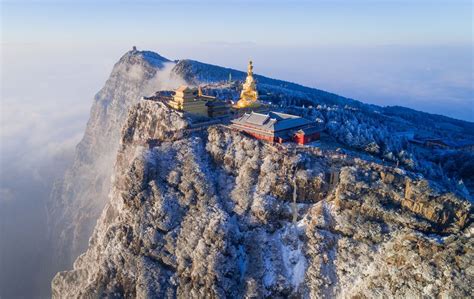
(213, 213)
(79, 198)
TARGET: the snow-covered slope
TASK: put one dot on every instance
(235, 193)
(210, 215)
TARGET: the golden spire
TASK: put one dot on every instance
(250, 69)
(249, 94)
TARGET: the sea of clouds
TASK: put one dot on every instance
(46, 94)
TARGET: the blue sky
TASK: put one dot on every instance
(281, 23)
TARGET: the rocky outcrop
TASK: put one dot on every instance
(79, 198)
(210, 214)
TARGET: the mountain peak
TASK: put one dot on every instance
(135, 56)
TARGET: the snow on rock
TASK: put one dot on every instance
(209, 215)
(293, 256)
(78, 199)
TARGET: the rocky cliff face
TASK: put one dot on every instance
(218, 214)
(79, 198)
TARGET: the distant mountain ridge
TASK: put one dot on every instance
(195, 72)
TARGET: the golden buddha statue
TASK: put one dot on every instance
(249, 94)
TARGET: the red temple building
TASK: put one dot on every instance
(277, 127)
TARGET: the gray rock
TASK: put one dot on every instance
(209, 215)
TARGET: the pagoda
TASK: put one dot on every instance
(193, 101)
(249, 94)
(187, 99)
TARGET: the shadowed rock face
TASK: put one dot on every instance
(79, 198)
(210, 215)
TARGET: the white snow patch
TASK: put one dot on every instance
(302, 223)
(294, 259)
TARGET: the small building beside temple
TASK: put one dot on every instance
(277, 127)
(307, 135)
(218, 109)
(215, 107)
